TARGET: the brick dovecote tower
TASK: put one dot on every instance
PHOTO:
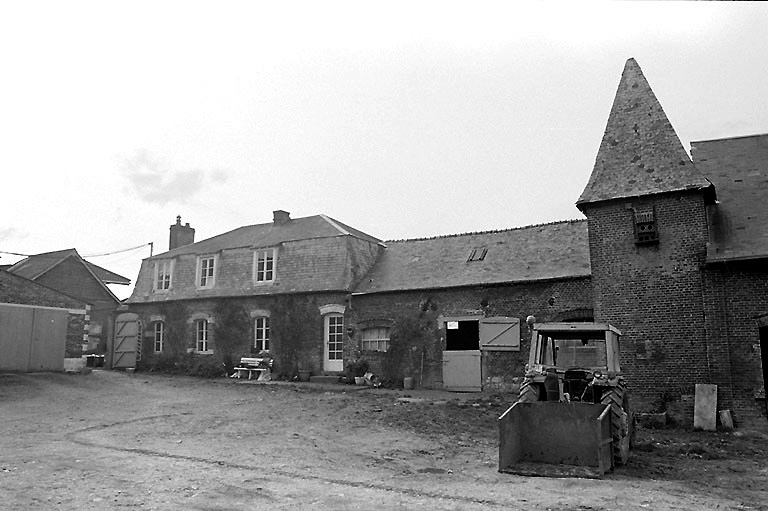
(645, 204)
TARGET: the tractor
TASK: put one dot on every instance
(573, 387)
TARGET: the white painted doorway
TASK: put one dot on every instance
(333, 332)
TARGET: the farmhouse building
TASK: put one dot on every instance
(673, 252)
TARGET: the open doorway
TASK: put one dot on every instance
(462, 335)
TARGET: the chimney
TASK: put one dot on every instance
(281, 217)
(180, 235)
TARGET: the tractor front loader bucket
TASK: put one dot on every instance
(556, 439)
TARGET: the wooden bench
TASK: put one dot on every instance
(260, 366)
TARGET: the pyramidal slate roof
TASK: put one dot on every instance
(640, 153)
(537, 252)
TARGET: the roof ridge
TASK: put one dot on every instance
(491, 231)
(334, 224)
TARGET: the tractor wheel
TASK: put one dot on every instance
(620, 419)
(529, 393)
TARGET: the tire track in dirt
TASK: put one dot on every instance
(73, 436)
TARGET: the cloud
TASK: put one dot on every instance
(12, 233)
(155, 183)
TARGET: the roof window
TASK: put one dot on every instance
(477, 254)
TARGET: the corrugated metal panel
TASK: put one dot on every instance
(32, 338)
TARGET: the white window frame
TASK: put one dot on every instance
(379, 342)
(159, 336)
(267, 255)
(203, 336)
(261, 333)
(210, 280)
(163, 275)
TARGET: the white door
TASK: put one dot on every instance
(461, 371)
(334, 343)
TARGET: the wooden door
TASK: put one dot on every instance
(126, 341)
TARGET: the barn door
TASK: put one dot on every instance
(126, 341)
(461, 357)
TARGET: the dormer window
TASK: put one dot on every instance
(206, 272)
(264, 265)
(645, 228)
(163, 275)
(477, 254)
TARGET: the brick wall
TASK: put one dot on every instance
(737, 294)
(548, 301)
(653, 294)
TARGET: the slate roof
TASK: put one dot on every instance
(34, 266)
(17, 289)
(271, 234)
(537, 252)
(738, 167)
(640, 153)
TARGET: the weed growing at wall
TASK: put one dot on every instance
(232, 331)
(294, 325)
(411, 339)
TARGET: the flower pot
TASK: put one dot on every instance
(304, 374)
(408, 383)
(359, 380)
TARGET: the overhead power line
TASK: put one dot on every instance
(150, 244)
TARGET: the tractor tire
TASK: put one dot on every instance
(529, 393)
(621, 430)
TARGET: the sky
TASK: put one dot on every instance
(401, 119)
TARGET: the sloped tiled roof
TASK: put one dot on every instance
(17, 289)
(107, 276)
(271, 234)
(640, 153)
(538, 252)
(738, 167)
(36, 265)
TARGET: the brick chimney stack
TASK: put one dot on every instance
(281, 217)
(180, 235)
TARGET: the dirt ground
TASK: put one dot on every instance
(110, 440)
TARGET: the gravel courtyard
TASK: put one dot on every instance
(111, 440)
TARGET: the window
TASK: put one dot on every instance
(477, 254)
(265, 265)
(645, 227)
(205, 271)
(201, 328)
(159, 336)
(163, 271)
(376, 339)
(261, 334)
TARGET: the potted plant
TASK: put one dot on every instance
(356, 371)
